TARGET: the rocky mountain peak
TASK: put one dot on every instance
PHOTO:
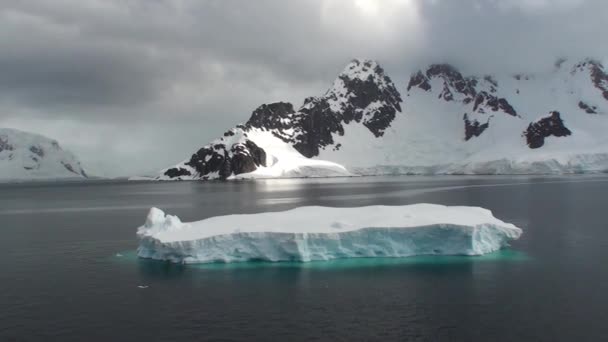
(451, 80)
(276, 115)
(364, 70)
(478, 92)
(361, 93)
(361, 83)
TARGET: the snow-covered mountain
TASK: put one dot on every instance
(445, 122)
(25, 156)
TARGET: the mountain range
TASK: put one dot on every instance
(436, 121)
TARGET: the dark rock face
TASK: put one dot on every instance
(452, 78)
(420, 81)
(362, 93)
(311, 128)
(316, 122)
(472, 128)
(587, 108)
(485, 100)
(209, 159)
(278, 117)
(37, 150)
(307, 130)
(68, 167)
(5, 145)
(246, 157)
(456, 87)
(599, 77)
(467, 90)
(241, 157)
(376, 88)
(272, 116)
(520, 77)
(177, 172)
(551, 125)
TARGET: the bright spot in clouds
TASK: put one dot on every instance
(367, 7)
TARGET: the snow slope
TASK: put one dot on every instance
(26, 156)
(278, 160)
(283, 161)
(429, 136)
(323, 233)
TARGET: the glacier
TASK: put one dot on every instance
(324, 233)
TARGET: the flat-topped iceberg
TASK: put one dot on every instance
(323, 233)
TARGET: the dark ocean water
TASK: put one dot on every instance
(62, 280)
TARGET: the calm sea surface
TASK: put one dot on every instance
(68, 270)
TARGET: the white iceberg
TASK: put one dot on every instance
(323, 233)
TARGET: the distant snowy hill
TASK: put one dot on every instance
(25, 156)
(444, 123)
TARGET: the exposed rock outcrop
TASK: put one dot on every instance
(587, 108)
(484, 100)
(477, 91)
(5, 145)
(552, 125)
(598, 74)
(356, 123)
(232, 154)
(362, 93)
(473, 128)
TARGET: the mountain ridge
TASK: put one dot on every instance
(447, 122)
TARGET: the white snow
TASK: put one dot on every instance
(428, 136)
(323, 233)
(27, 156)
(283, 161)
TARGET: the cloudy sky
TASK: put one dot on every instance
(132, 86)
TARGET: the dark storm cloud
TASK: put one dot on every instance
(108, 53)
(46, 62)
(163, 76)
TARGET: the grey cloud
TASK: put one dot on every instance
(166, 76)
(514, 35)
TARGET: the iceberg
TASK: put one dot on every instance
(323, 233)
